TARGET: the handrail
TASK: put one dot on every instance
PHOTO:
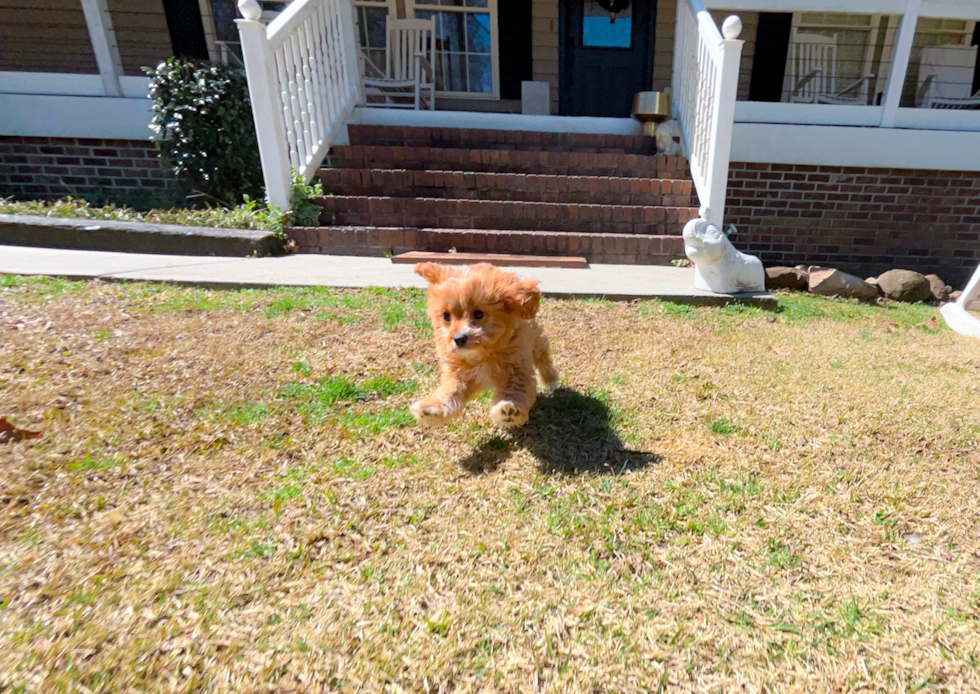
(287, 21)
(304, 82)
(705, 83)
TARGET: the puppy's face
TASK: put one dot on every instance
(476, 309)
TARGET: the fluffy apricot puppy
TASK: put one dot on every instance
(486, 339)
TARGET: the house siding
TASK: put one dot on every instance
(544, 45)
(51, 36)
(141, 33)
(45, 36)
(861, 220)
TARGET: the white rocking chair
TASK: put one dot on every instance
(957, 315)
(812, 71)
(408, 80)
(946, 78)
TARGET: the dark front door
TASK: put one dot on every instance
(605, 57)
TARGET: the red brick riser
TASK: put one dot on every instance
(861, 220)
(597, 248)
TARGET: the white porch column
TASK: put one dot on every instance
(900, 63)
(103, 39)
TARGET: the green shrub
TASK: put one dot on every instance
(303, 211)
(203, 117)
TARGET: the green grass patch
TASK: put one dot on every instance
(88, 462)
(372, 424)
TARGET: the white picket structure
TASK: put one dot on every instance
(704, 86)
(304, 83)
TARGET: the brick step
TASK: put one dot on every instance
(381, 241)
(486, 214)
(509, 161)
(407, 136)
(459, 185)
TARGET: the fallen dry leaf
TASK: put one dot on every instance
(8, 432)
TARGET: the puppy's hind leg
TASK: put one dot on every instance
(547, 373)
(444, 403)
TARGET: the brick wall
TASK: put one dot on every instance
(861, 220)
(544, 45)
(51, 167)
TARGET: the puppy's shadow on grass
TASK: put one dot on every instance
(567, 433)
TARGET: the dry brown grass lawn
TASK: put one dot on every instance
(230, 496)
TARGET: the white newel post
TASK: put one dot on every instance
(723, 122)
(263, 89)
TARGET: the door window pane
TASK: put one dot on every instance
(604, 29)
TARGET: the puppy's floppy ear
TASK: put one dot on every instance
(433, 272)
(523, 298)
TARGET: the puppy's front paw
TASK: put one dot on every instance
(431, 412)
(508, 415)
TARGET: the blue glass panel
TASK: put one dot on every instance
(601, 33)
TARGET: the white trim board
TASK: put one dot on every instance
(495, 121)
(948, 9)
(32, 115)
(68, 84)
(846, 6)
(893, 148)
(806, 114)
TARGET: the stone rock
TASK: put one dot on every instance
(940, 290)
(718, 266)
(830, 282)
(786, 278)
(873, 281)
(905, 285)
(955, 296)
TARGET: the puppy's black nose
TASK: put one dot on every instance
(460, 339)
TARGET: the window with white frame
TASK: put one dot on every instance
(372, 20)
(466, 45)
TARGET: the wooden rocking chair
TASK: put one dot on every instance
(812, 68)
(408, 80)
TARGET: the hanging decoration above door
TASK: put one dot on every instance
(613, 7)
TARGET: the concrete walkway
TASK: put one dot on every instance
(610, 281)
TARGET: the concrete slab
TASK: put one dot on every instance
(25, 260)
(611, 281)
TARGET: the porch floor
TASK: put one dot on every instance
(622, 282)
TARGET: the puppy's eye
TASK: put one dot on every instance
(478, 315)
(445, 316)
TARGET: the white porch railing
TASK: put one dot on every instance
(303, 81)
(705, 83)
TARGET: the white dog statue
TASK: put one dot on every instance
(719, 267)
(668, 138)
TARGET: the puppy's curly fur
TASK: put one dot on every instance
(487, 338)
